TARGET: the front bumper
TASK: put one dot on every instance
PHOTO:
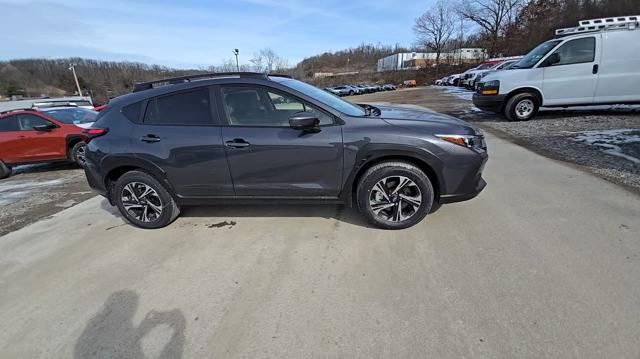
(493, 103)
(471, 182)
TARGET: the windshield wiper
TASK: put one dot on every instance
(370, 110)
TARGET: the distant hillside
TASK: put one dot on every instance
(101, 79)
(362, 58)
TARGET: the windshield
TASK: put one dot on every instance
(485, 66)
(532, 58)
(72, 115)
(328, 99)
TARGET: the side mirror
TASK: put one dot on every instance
(44, 128)
(305, 121)
(552, 59)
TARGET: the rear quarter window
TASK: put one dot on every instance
(183, 108)
(132, 112)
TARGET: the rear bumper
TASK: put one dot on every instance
(94, 178)
(493, 103)
(471, 184)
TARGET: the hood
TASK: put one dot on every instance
(513, 74)
(420, 117)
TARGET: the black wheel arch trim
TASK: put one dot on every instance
(376, 153)
(113, 162)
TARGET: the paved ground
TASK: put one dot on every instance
(545, 263)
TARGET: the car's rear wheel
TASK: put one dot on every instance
(521, 107)
(143, 201)
(79, 153)
(394, 195)
(5, 171)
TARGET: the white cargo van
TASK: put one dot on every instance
(595, 63)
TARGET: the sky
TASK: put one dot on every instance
(199, 33)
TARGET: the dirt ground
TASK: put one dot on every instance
(37, 191)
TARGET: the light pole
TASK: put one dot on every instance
(72, 67)
(236, 52)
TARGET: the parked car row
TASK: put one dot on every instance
(471, 77)
(350, 90)
(46, 133)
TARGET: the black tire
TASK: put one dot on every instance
(5, 171)
(386, 170)
(522, 107)
(78, 153)
(170, 209)
(350, 93)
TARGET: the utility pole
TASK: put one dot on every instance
(236, 52)
(72, 67)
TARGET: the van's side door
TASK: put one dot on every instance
(619, 73)
(572, 80)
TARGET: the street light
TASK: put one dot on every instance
(72, 67)
(236, 52)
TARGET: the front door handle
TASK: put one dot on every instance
(237, 143)
(150, 138)
(595, 69)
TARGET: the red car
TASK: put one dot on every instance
(51, 134)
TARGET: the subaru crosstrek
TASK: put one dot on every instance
(225, 138)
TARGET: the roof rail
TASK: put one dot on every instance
(18, 110)
(606, 23)
(141, 86)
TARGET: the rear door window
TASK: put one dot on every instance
(184, 108)
(9, 124)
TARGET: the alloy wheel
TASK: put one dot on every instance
(141, 201)
(395, 198)
(81, 155)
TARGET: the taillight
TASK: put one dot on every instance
(91, 133)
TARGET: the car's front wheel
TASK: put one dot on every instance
(521, 107)
(143, 201)
(394, 195)
(5, 171)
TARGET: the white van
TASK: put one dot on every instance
(595, 63)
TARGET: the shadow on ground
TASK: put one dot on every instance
(111, 333)
(341, 213)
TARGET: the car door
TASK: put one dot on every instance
(12, 146)
(572, 80)
(41, 145)
(180, 134)
(267, 157)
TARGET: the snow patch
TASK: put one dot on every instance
(609, 141)
(14, 191)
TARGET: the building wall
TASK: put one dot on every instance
(413, 60)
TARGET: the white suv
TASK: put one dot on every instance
(595, 63)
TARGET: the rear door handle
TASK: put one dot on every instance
(237, 143)
(595, 69)
(150, 138)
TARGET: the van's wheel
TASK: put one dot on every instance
(394, 195)
(79, 153)
(5, 171)
(521, 107)
(143, 201)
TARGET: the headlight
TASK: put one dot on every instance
(475, 142)
(489, 87)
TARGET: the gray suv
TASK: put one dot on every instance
(248, 137)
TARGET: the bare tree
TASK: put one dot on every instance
(268, 61)
(491, 15)
(435, 27)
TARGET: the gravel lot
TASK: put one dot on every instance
(581, 136)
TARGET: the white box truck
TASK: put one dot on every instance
(595, 63)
